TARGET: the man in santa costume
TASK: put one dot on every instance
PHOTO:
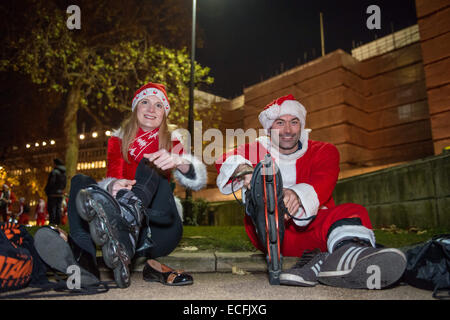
(341, 235)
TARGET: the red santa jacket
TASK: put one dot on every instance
(147, 142)
(311, 172)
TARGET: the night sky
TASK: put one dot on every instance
(247, 41)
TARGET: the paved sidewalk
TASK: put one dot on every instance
(238, 288)
(213, 261)
(235, 276)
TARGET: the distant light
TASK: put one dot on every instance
(52, 142)
(94, 134)
(44, 143)
(36, 144)
(82, 136)
(28, 146)
(108, 133)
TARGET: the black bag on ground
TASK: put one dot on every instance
(428, 266)
(20, 265)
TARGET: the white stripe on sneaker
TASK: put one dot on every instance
(315, 270)
(355, 258)
(344, 256)
(350, 256)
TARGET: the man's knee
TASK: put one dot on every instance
(351, 210)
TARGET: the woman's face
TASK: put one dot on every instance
(150, 113)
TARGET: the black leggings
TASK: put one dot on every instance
(165, 235)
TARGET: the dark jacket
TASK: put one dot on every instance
(56, 182)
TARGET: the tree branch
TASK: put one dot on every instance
(96, 119)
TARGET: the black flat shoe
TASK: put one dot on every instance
(158, 272)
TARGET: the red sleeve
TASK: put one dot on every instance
(115, 161)
(324, 172)
(177, 147)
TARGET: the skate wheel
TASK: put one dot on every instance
(110, 255)
(84, 206)
(97, 229)
(122, 276)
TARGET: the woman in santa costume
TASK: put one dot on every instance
(40, 213)
(312, 222)
(133, 212)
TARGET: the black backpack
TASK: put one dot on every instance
(428, 266)
(20, 265)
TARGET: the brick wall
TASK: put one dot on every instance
(434, 27)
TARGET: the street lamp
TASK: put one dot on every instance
(191, 84)
(191, 89)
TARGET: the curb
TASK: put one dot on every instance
(209, 261)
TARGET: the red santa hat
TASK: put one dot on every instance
(279, 107)
(151, 89)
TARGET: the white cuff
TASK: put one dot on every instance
(310, 203)
(226, 171)
(199, 181)
(349, 231)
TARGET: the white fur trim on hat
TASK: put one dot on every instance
(151, 92)
(275, 110)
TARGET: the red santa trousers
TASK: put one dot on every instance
(298, 239)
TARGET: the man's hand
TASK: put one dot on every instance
(122, 184)
(291, 202)
(245, 178)
(164, 160)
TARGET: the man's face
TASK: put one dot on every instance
(285, 133)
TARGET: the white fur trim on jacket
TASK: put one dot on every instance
(310, 203)
(199, 181)
(226, 171)
(117, 133)
(347, 232)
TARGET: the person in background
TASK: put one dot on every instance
(64, 218)
(40, 213)
(54, 190)
(7, 198)
(23, 215)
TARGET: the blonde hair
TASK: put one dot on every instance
(130, 128)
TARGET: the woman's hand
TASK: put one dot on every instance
(122, 184)
(164, 160)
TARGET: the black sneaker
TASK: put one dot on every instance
(304, 273)
(362, 267)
